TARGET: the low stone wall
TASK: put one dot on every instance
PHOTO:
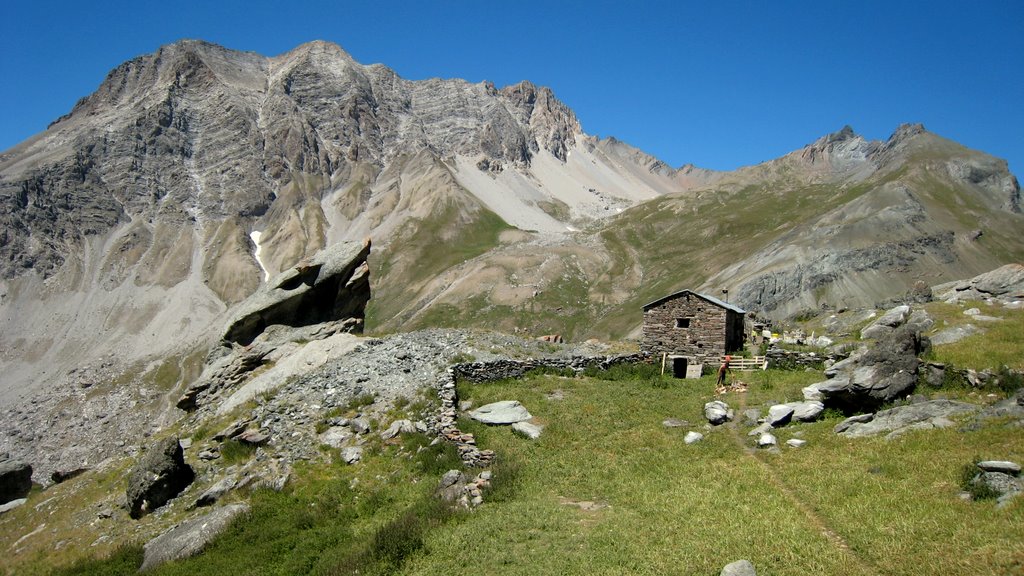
(781, 359)
(446, 425)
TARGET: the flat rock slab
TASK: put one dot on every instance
(674, 423)
(304, 359)
(1004, 466)
(501, 413)
(6, 506)
(766, 440)
(693, 437)
(951, 335)
(796, 442)
(922, 415)
(190, 537)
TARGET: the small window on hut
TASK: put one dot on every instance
(682, 322)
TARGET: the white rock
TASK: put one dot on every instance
(795, 442)
(812, 393)
(717, 412)
(766, 440)
(398, 427)
(1004, 466)
(692, 437)
(352, 454)
(531, 431)
(807, 411)
(504, 412)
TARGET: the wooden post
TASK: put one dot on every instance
(664, 356)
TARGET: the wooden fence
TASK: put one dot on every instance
(747, 364)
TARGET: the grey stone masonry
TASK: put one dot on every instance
(691, 325)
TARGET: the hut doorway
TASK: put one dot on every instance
(679, 367)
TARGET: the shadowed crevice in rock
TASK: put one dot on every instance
(333, 284)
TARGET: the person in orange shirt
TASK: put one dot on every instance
(722, 370)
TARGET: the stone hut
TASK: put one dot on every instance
(688, 329)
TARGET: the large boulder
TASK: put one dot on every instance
(331, 285)
(161, 475)
(717, 412)
(15, 480)
(877, 375)
(190, 537)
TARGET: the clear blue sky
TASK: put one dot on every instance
(716, 84)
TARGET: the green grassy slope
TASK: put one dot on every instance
(609, 489)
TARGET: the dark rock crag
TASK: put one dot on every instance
(161, 475)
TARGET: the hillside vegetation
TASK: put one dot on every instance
(608, 488)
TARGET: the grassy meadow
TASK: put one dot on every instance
(609, 489)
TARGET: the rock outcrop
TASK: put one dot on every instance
(332, 285)
(873, 376)
(1004, 284)
(919, 416)
(160, 475)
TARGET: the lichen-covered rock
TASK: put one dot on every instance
(160, 475)
(190, 537)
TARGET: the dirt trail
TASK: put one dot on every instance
(866, 566)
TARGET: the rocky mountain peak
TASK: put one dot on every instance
(553, 123)
(841, 151)
(905, 132)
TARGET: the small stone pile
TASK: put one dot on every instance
(457, 489)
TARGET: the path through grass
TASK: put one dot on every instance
(608, 489)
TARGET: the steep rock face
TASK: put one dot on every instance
(158, 180)
(196, 133)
